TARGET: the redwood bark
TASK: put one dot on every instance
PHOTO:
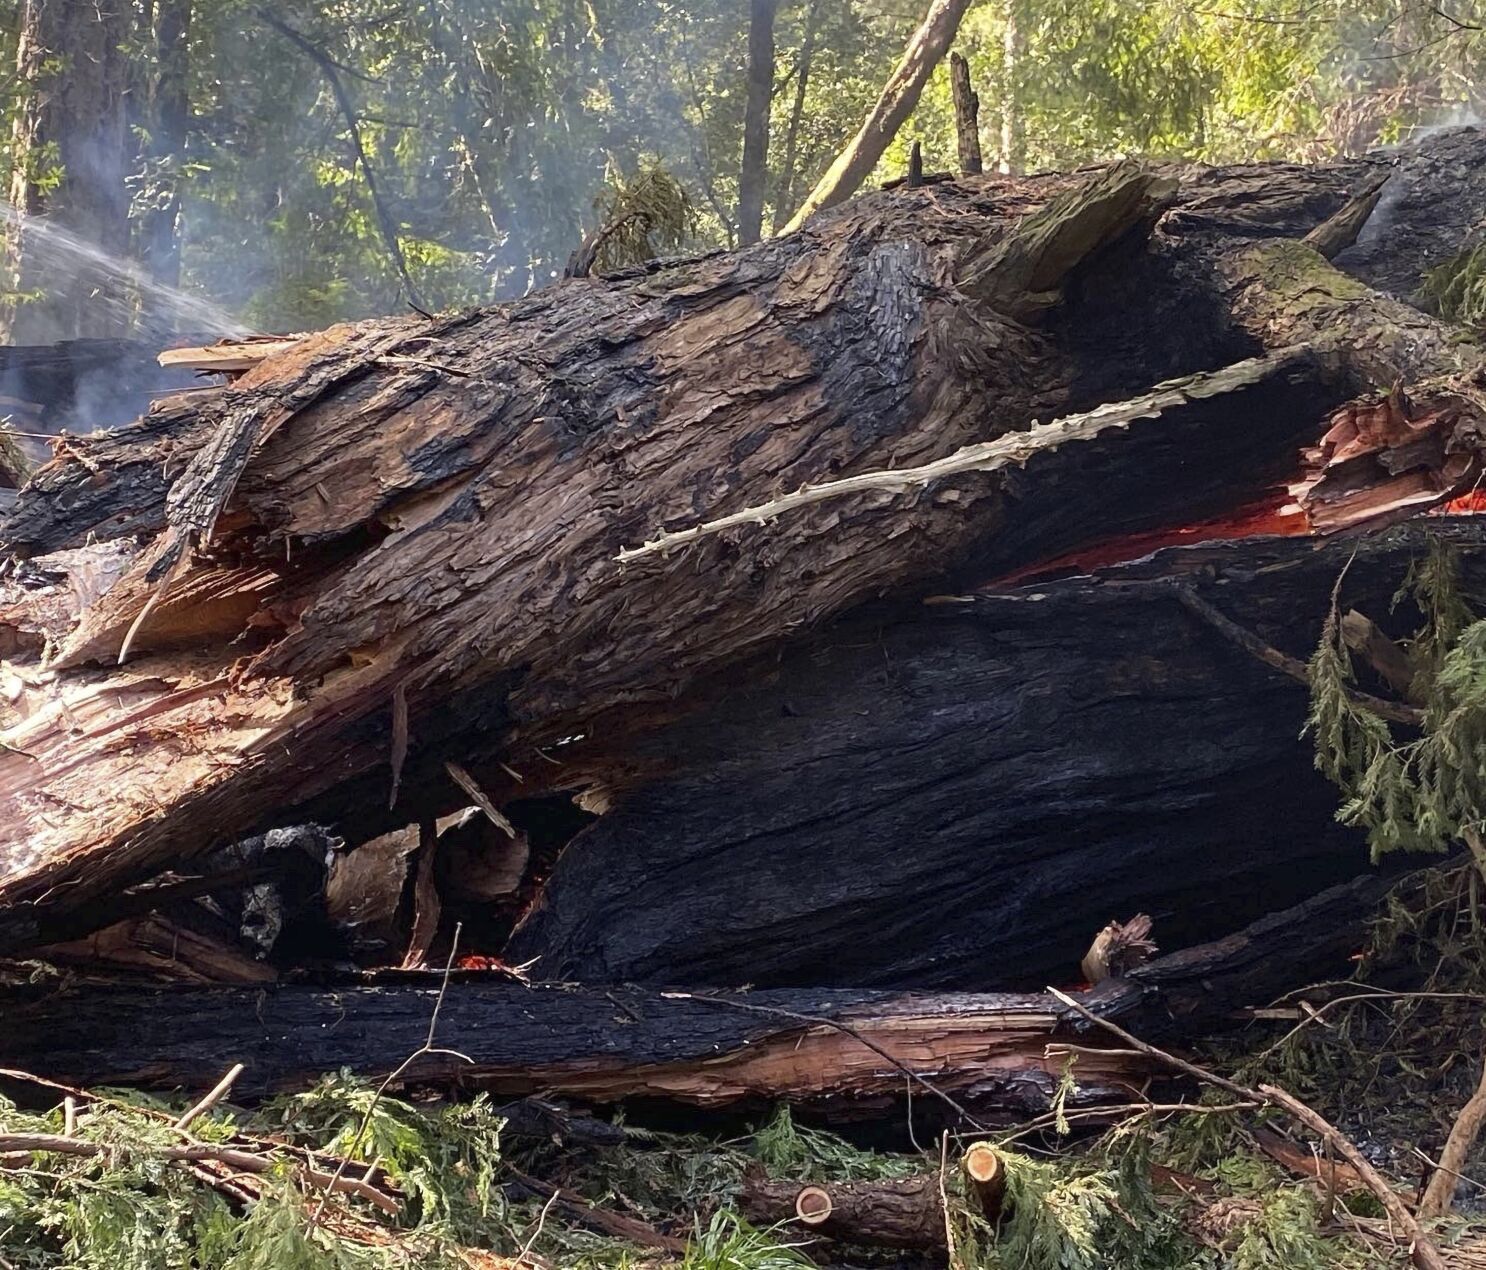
(967, 116)
(434, 510)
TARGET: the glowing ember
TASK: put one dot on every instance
(1268, 519)
(1471, 503)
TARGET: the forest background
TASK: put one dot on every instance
(315, 162)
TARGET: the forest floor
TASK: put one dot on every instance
(447, 1179)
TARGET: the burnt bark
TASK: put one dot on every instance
(435, 511)
(846, 1051)
(961, 796)
(967, 116)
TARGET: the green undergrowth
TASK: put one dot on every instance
(1072, 1206)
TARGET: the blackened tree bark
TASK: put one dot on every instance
(753, 180)
(68, 183)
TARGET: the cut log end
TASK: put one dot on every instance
(813, 1205)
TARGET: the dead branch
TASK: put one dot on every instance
(1439, 1195)
(1425, 1254)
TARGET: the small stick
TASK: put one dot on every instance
(69, 1116)
(211, 1099)
(1439, 1195)
(1422, 1249)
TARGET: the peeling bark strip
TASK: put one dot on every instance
(842, 1049)
(434, 506)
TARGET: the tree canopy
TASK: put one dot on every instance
(340, 159)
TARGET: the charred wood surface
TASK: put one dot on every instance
(821, 1046)
(963, 795)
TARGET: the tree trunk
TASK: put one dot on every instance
(899, 96)
(452, 514)
(71, 228)
(168, 121)
(771, 828)
(1013, 156)
(846, 1051)
(967, 116)
(784, 197)
(753, 180)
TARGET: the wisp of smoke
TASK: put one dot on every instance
(59, 255)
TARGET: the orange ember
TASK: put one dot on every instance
(1268, 519)
(1468, 504)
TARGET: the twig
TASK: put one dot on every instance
(949, 1225)
(1425, 1255)
(1014, 449)
(1284, 663)
(210, 1100)
(1439, 1195)
(631, 1228)
(537, 1233)
(471, 787)
(844, 1028)
(1318, 1012)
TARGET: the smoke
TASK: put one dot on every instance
(119, 288)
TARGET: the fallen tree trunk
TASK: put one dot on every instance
(397, 543)
(846, 1051)
(960, 796)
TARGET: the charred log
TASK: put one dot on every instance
(961, 796)
(846, 1050)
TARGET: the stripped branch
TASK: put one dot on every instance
(1014, 449)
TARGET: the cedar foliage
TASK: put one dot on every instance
(1421, 793)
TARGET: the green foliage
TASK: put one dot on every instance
(788, 1150)
(728, 1243)
(493, 131)
(444, 1162)
(130, 1209)
(642, 217)
(1422, 794)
